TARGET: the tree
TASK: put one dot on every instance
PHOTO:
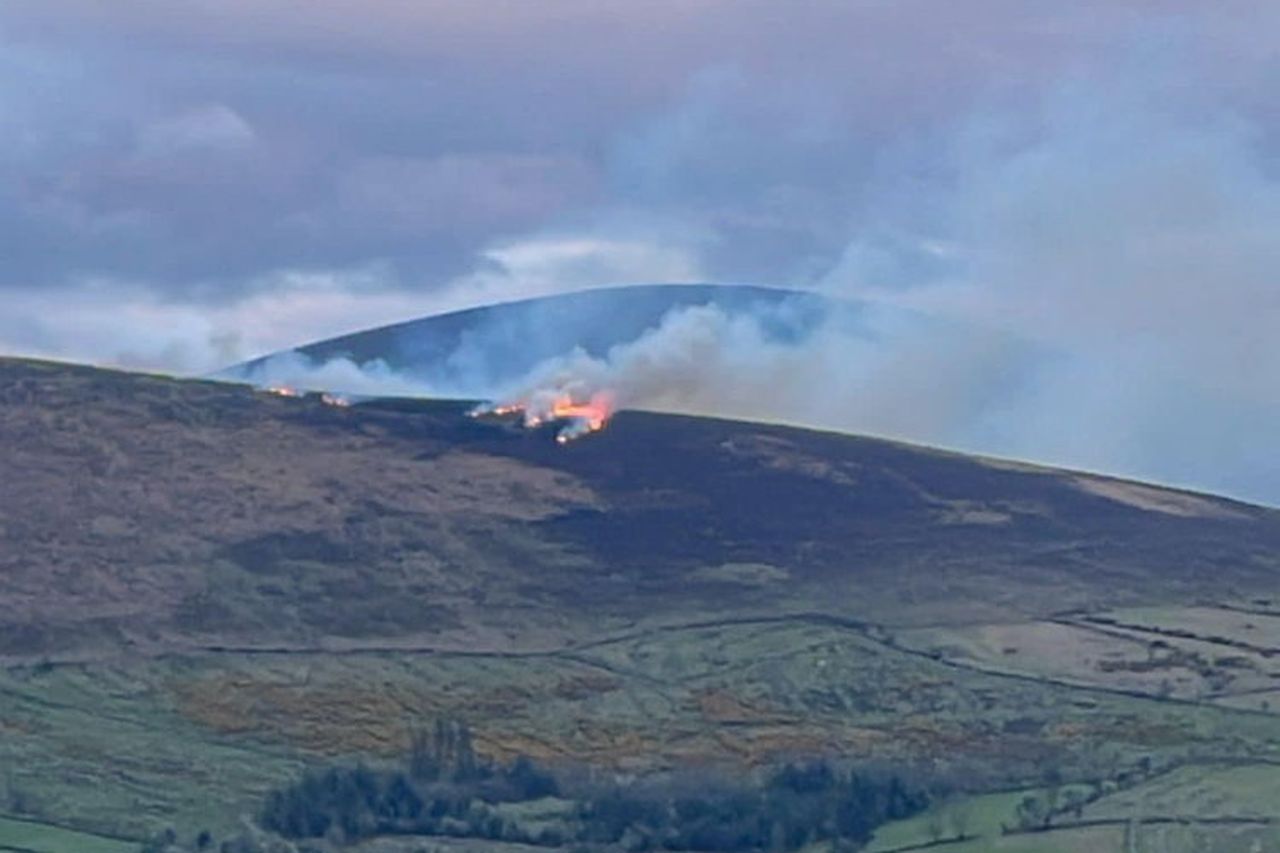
(1031, 813)
(1075, 803)
(423, 757)
(529, 782)
(960, 814)
(1054, 780)
(934, 824)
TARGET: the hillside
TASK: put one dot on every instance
(206, 588)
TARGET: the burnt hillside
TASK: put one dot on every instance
(146, 514)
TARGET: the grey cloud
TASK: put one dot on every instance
(756, 127)
(213, 127)
(414, 197)
(1098, 178)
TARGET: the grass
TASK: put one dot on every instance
(982, 816)
(1212, 791)
(1190, 794)
(103, 749)
(193, 742)
(1086, 840)
(44, 838)
(1146, 839)
(1092, 653)
(1164, 837)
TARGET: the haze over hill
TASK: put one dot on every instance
(201, 575)
(492, 345)
(788, 356)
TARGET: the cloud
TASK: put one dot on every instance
(415, 136)
(410, 198)
(184, 184)
(213, 127)
(115, 322)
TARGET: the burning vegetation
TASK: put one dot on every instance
(335, 400)
(576, 411)
(578, 415)
(283, 391)
(327, 397)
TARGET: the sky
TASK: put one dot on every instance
(186, 185)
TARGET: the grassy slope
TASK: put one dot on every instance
(1215, 807)
(190, 515)
(207, 588)
(27, 836)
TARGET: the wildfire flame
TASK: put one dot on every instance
(283, 391)
(594, 413)
(579, 418)
(334, 400)
(327, 397)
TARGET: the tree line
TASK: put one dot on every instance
(446, 789)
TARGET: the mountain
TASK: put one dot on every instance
(205, 589)
(496, 344)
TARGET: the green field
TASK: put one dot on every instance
(1201, 791)
(1191, 808)
(981, 817)
(27, 836)
(195, 742)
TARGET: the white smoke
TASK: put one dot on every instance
(852, 371)
(876, 369)
(1129, 230)
(1101, 282)
(298, 372)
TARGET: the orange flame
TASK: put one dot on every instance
(595, 413)
(283, 391)
(580, 418)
